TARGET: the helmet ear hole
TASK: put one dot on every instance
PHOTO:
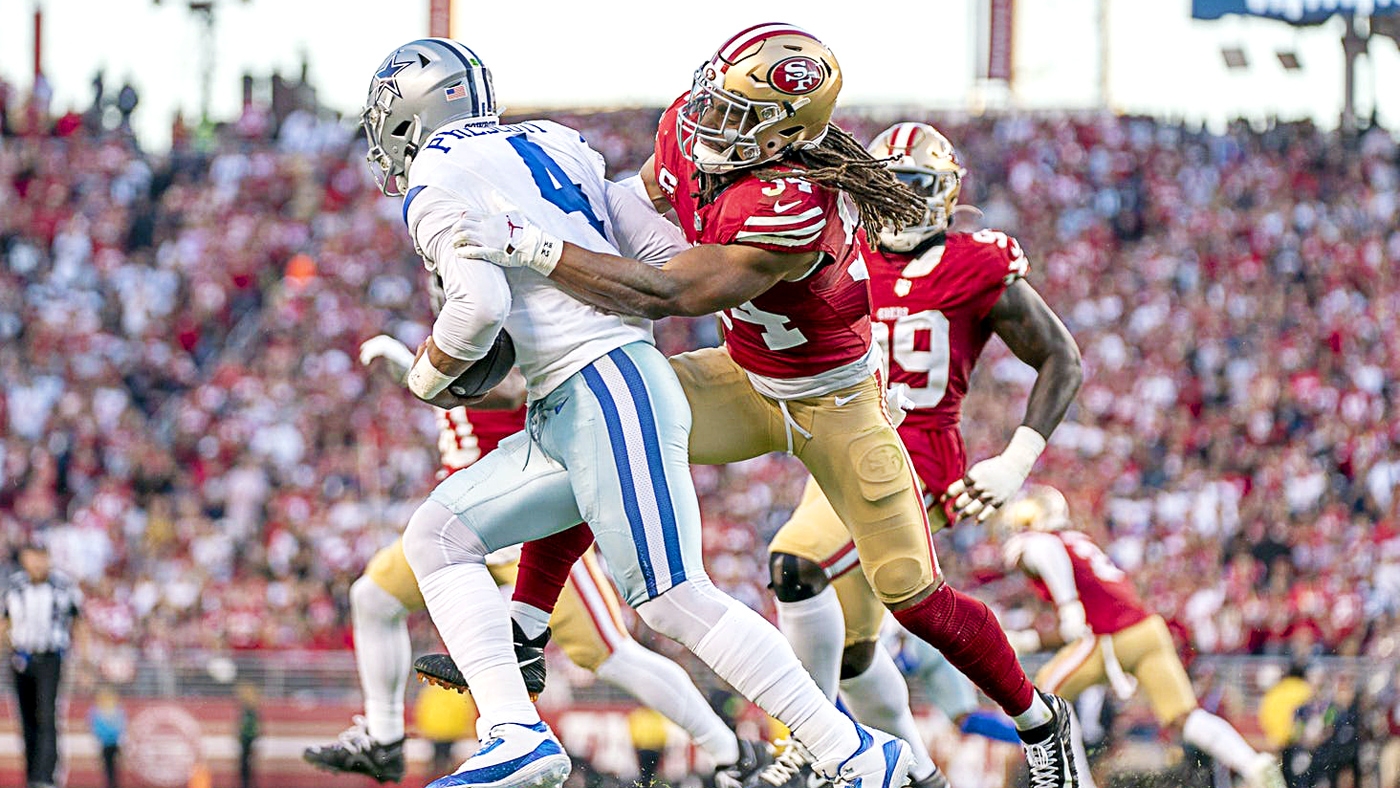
(401, 129)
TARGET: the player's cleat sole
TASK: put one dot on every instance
(439, 670)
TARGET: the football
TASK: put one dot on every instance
(489, 370)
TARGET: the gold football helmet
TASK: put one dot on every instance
(1039, 507)
(768, 89)
(927, 164)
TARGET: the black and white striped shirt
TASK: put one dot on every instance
(41, 614)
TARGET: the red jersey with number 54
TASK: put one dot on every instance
(931, 320)
(796, 329)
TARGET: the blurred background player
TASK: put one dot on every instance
(759, 180)
(586, 624)
(1110, 636)
(608, 425)
(938, 296)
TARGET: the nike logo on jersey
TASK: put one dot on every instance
(841, 401)
(780, 207)
(561, 405)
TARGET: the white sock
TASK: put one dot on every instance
(880, 698)
(474, 622)
(1034, 717)
(753, 657)
(816, 629)
(383, 657)
(1081, 756)
(1219, 739)
(533, 621)
(663, 685)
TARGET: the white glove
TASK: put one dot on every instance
(395, 354)
(506, 239)
(897, 402)
(991, 482)
(1073, 625)
(1023, 641)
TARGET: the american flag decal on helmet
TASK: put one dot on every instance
(455, 92)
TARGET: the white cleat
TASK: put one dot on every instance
(881, 761)
(513, 756)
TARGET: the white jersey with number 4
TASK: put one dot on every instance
(547, 173)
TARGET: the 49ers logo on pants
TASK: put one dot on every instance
(796, 75)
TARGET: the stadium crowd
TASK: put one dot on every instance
(187, 425)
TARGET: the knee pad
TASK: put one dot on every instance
(436, 538)
(857, 658)
(686, 613)
(794, 578)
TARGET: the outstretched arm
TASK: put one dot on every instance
(1035, 334)
(698, 281)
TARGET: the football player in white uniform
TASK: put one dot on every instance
(608, 429)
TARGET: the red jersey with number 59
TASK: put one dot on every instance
(931, 320)
(1111, 603)
(796, 329)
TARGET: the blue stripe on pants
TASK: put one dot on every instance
(656, 468)
(624, 473)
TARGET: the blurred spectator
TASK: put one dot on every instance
(249, 730)
(444, 717)
(107, 720)
(648, 730)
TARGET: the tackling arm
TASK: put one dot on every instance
(698, 281)
(1035, 334)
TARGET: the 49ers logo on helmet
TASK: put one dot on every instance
(796, 75)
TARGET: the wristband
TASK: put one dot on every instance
(548, 250)
(425, 380)
(1025, 448)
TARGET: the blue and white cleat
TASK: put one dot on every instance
(513, 756)
(881, 761)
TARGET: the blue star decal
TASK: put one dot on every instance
(388, 75)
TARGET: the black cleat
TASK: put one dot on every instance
(790, 766)
(753, 758)
(439, 669)
(935, 780)
(355, 752)
(1047, 747)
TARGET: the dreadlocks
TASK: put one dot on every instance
(841, 163)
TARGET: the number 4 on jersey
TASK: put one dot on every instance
(553, 182)
(776, 334)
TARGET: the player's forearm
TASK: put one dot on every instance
(618, 284)
(1056, 385)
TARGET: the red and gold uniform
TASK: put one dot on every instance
(1123, 639)
(931, 317)
(798, 369)
(587, 622)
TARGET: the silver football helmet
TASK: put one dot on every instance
(419, 87)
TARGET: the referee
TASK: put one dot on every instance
(39, 607)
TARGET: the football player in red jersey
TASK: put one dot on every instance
(1110, 636)
(938, 297)
(760, 179)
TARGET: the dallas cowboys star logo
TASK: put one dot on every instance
(388, 75)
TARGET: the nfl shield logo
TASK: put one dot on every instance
(455, 92)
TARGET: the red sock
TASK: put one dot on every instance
(968, 634)
(545, 565)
